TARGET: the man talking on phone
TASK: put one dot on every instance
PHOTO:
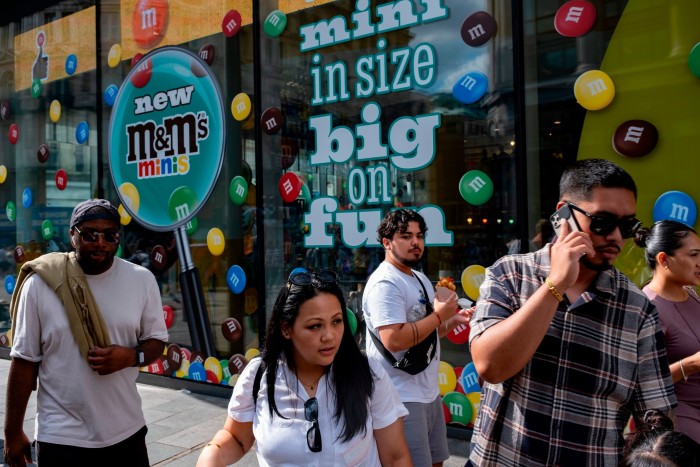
(567, 346)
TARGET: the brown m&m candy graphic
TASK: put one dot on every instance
(197, 357)
(231, 329)
(207, 53)
(4, 341)
(478, 28)
(236, 363)
(159, 258)
(19, 254)
(635, 138)
(43, 153)
(5, 110)
(272, 120)
(174, 356)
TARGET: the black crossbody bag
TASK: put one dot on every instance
(417, 358)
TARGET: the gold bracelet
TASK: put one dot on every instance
(554, 291)
(216, 445)
(685, 378)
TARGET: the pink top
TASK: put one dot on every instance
(680, 322)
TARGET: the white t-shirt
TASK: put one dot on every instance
(282, 442)
(392, 297)
(75, 405)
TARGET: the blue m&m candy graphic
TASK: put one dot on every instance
(676, 206)
(470, 87)
(235, 278)
(197, 372)
(71, 64)
(110, 94)
(27, 197)
(470, 379)
(82, 131)
(10, 282)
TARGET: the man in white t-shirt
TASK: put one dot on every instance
(88, 408)
(394, 305)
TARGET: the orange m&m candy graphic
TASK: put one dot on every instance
(149, 21)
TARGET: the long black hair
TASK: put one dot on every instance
(664, 236)
(350, 376)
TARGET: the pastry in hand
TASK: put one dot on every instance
(444, 288)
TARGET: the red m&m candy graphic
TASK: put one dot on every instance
(13, 133)
(61, 179)
(290, 187)
(144, 71)
(575, 18)
(231, 23)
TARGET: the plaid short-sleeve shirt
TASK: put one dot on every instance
(602, 359)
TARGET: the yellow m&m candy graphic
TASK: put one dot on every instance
(472, 277)
(215, 241)
(594, 90)
(55, 111)
(125, 218)
(241, 106)
(3, 173)
(114, 56)
(130, 196)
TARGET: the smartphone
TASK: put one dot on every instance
(562, 215)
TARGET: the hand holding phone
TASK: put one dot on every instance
(564, 214)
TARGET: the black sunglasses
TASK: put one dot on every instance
(316, 279)
(313, 436)
(92, 237)
(605, 225)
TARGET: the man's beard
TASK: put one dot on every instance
(411, 263)
(595, 267)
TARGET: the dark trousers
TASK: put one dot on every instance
(130, 452)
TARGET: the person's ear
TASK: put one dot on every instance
(285, 332)
(386, 243)
(662, 259)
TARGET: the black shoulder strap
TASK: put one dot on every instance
(428, 305)
(256, 381)
(378, 343)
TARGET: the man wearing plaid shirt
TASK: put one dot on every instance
(567, 346)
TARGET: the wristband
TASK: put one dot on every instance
(554, 291)
(685, 378)
(439, 319)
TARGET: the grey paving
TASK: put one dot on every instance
(180, 422)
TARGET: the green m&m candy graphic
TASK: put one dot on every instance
(181, 203)
(275, 23)
(11, 211)
(191, 226)
(460, 407)
(476, 187)
(47, 229)
(238, 190)
(36, 88)
(352, 320)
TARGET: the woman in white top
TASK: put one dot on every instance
(313, 398)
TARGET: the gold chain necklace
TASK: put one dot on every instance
(311, 386)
